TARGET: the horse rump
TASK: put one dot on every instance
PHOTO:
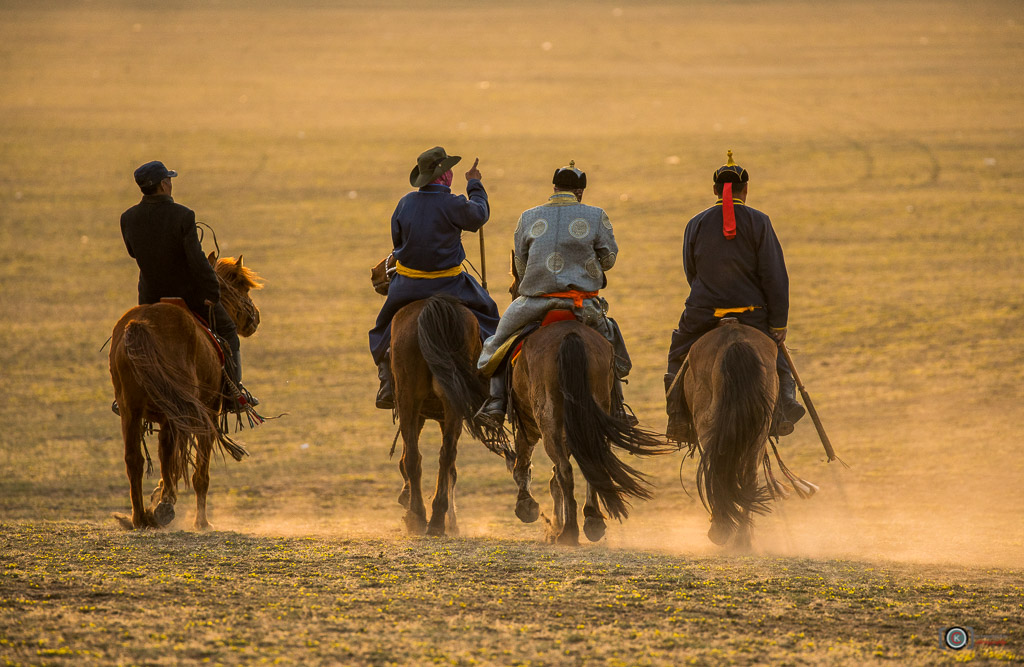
(734, 445)
(172, 391)
(590, 433)
(445, 345)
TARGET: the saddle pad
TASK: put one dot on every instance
(557, 315)
(178, 301)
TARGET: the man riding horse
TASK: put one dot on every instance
(562, 250)
(735, 268)
(162, 237)
(426, 231)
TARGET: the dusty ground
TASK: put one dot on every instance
(885, 140)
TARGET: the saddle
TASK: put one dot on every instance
(178, 301)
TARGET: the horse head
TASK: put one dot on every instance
(236, 281)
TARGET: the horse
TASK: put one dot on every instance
(167, 371)
(435, 343)
(730, 386)
(561, 393)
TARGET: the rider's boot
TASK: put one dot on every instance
(787, 411)
(245, 398)
(680, 425)
(619, 410)
(386, 393)
(493, 411)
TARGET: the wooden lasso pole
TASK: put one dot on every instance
(483, 261)
(830, 453)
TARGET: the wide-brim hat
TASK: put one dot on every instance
(152, 173)
(431, 164)
(730, 172)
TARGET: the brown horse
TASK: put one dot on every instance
(562, 393)
(434, 347)
(166, 371)
(730, 386)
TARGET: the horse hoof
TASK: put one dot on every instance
(593, 528)
(568, 540)
(527, 510)
(435, 531)
(719, 534)
(403, 498)
(163, 514)
(414, 523)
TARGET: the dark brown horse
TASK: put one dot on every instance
(434, 347)
(730, 385)
(562, 393)
(166, 371)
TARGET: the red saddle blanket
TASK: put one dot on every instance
(178, 301)
(557, 315)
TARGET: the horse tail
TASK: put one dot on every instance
(590, 432)
(171, 391)
(444, 344)
(727, 471)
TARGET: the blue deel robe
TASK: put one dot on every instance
(426, 230)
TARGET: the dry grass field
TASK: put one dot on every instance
(885, 139)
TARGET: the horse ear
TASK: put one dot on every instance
(239, 262)
(212, 259)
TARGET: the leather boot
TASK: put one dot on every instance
(233, 365)
(386, 393)
(680, 425)
(788, 411)
(493, 411)
(619, 405)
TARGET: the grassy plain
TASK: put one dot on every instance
(885, 139)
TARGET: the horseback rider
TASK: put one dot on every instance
(426, 230)
(735, 267)
(162, 237)
(562, 250)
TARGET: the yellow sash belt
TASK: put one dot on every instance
(404, 270)
(722, 312)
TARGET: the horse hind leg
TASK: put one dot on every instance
(131, 430)
(412, 467)
(527, 508)
(593, 520)
(451, 522)
(201, 481)
(169, 474)
(406, 494)
(450, 431)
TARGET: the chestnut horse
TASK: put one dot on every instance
(435, 343)
(561, 392)
(166, 371)
(730, 385)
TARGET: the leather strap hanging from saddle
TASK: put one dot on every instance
(178, 301)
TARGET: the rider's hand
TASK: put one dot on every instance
(778, 334)
(473, 171)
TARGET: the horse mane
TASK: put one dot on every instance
(240, 276)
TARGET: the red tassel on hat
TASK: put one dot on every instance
(728, 212)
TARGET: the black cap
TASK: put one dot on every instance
(730, 172)
(570, 178)
(152, 173)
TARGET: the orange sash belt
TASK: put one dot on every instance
(576, 295)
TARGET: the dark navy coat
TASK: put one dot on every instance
(426, 231)
(162, 237)
(748, 270)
